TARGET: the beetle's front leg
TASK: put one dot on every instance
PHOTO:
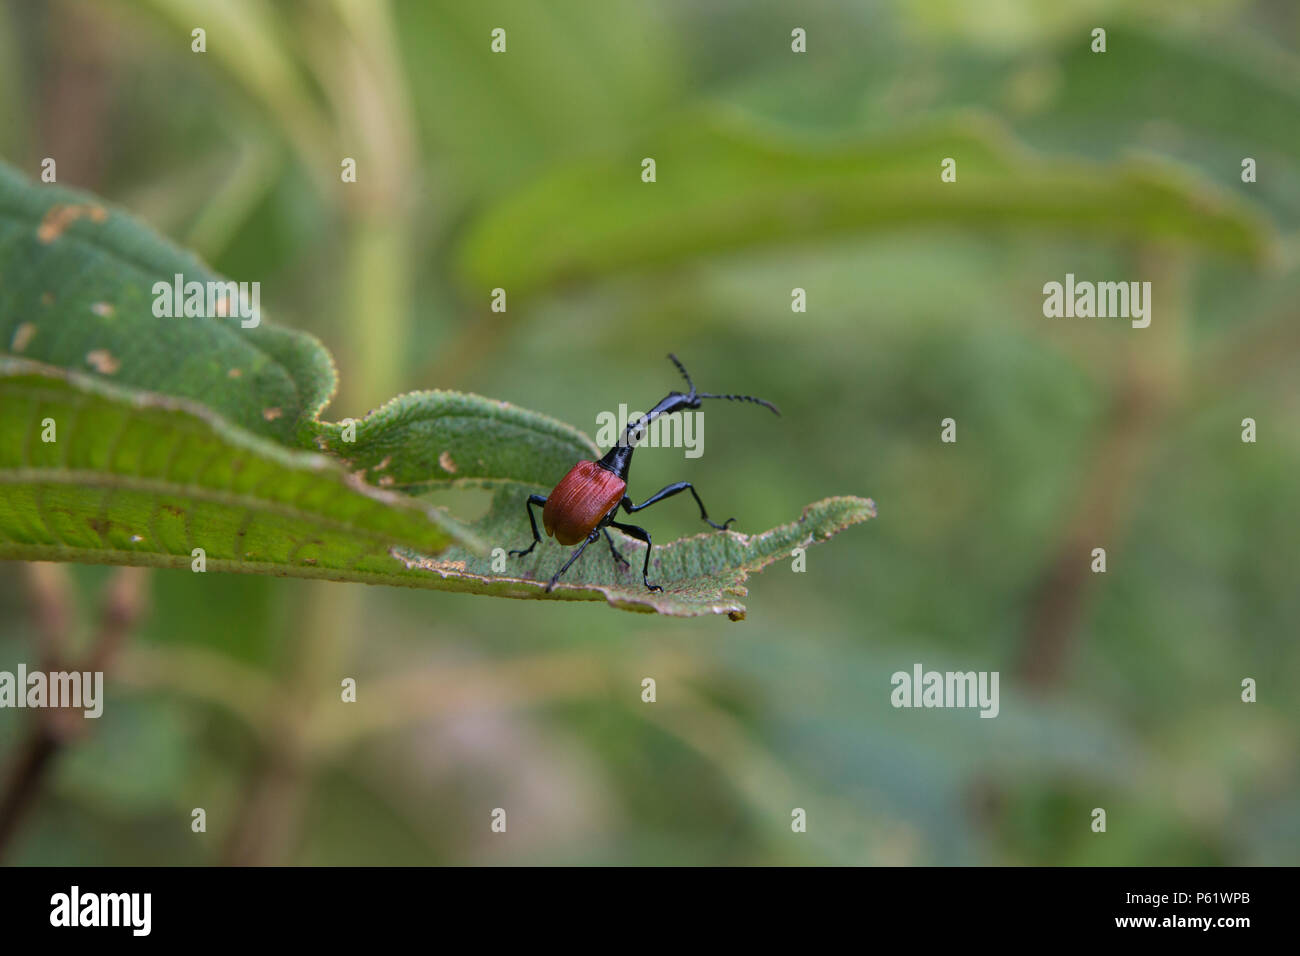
(573, 557)
(676, 488)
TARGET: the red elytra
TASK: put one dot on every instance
(583, 496)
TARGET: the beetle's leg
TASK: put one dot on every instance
(677, 487)
(528, 506)
(573, 557)
(613, 550)
(641, 534)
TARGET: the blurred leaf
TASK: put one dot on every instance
(138, 760)
(1149, 87)
(725, 184)
(547, 100)
(250, 39)
(1205, 98)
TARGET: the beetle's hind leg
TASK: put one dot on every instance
(641, 534)
(614, 551)
(528, 506)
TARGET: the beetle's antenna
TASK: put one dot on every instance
(618, 459)
(744, 398)
(682, 368)
(733, 398)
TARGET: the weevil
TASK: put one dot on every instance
(584, 503)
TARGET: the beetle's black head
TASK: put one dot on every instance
(619, 458)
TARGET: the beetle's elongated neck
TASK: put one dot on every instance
(619, 458)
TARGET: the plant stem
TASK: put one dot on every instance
(53, 598)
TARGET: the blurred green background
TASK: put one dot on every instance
(1119, 691)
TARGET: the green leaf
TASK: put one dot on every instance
(703, 574)
(725, 184)
(172, 434)
(143, 479)
(426, 439)
(77, 293)
(430, 440)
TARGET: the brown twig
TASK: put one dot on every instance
(1109, 489)
(265, 829)
(1145, 391)
(77, 93)
(53, 599)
